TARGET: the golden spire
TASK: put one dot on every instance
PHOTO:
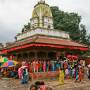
(42, 1)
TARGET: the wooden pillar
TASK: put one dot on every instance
(36, 56)
(28, 55)
(22, 55)
(47, 55)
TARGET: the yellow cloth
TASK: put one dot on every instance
(61, 77)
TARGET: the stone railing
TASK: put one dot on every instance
(56, 33)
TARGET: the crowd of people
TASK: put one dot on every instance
(49, 65)
(67, 69)
(10, 72)
(73, 70)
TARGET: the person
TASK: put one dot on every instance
(24, 76)
(73, 72)
(15, 73)
(67, 73)
(20, 71)
(88, 73)
(61, 76)
(44, 66)
(11, 73)
(5, 73)
(62, 62)
(57, 66)
(34, 65)
(2, 71)
(47, 66)
(40, 85)
(37, 83)
(41, 65)
(37, 66)
(53, 66)
(80, 74)
(43, 86)
(77, 75)
(65, 65)
(33, 87)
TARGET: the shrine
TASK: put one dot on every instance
(40, 40)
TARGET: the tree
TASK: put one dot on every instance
(83, 34)
(88, 40)
(68, 22)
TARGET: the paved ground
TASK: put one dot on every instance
(12, 84)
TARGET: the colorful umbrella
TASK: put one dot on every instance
(3, 59)
(9, 64)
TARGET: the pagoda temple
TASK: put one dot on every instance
(40, 40)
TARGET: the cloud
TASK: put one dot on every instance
(15, 13)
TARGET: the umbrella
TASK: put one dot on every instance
(9, 64)
(15, 62)
(3, 59)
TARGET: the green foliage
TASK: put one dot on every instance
(88, 40)
(83, 34)
(70, 22)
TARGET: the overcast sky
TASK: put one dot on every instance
(15, 13)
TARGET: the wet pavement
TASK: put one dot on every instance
(14, 84)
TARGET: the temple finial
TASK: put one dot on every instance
(42, 1)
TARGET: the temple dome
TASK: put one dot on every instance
(42, 16)
(41, 9)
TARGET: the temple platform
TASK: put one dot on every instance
(44, 75)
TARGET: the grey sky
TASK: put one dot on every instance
(15, 13)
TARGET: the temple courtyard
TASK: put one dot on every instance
(14, 84)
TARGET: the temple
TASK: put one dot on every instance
(40, 40)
